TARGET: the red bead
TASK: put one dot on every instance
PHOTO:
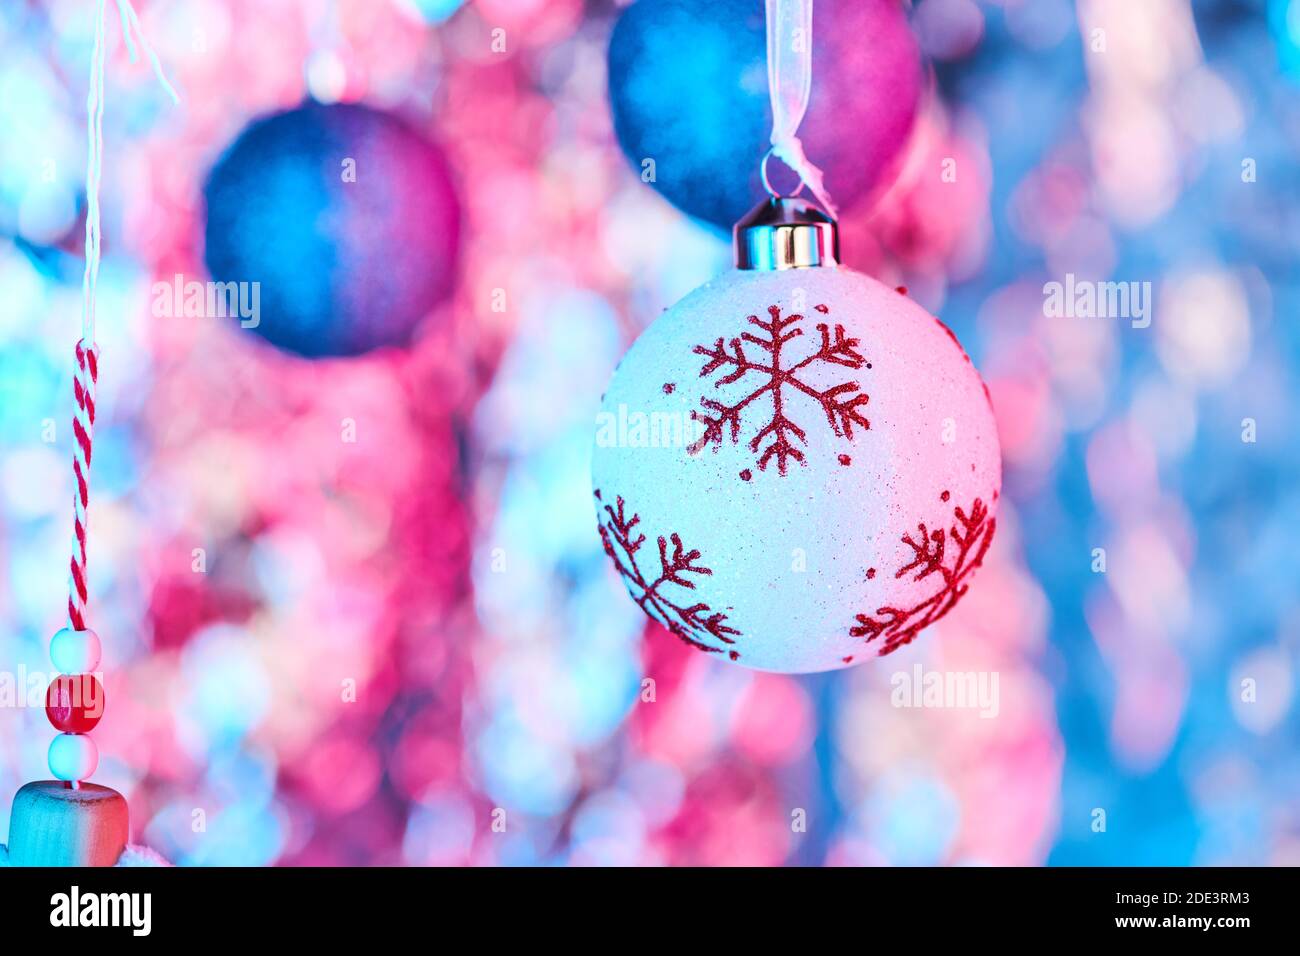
(74, 703)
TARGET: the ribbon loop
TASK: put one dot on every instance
(789, 81)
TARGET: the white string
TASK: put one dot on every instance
(94, 147)
(129, 17)
(789, 81)
(132, 34)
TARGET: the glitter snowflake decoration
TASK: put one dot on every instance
(695, 623)
(781, 436)
(952, 555)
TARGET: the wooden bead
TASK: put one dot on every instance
(54, 825)
(73, 756)
(75, 652)
(74, 703)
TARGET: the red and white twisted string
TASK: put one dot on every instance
(83, 431)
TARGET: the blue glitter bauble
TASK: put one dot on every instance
(688, 88)
(347, 219)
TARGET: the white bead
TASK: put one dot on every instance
(73, 756)
(75, 652)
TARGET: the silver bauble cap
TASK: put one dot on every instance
(786, 233)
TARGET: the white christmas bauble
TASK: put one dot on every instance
(796, 469)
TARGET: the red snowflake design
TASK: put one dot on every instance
(842, 404)
(693, 623)
(964, 543)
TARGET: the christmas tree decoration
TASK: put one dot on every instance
(346, 219)
(66, 821)
(817, 466)
(812, 454)
(691, 110)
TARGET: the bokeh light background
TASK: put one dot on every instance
(446, 565)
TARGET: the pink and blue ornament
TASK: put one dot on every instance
(345, 217)
(689, 93)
